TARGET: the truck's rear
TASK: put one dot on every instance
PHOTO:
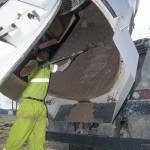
(94, 87)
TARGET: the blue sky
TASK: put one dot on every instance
(142, 30)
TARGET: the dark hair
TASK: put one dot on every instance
(42, 50)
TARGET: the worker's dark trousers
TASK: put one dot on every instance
(30, 124)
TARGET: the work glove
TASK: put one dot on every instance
(73, 56)
(40, 63)
(45, 64)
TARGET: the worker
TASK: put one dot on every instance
(32, 115)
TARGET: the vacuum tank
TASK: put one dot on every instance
(99, 80)
(102, 76)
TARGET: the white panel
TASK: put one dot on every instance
(26, 42)
(130, 57)
(38, 3)
(123, 88)
(125, 18)
(12, 8)
(7, 52)
(127, 50)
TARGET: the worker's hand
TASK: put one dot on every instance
(40, 63)
(73, 56)
(45, 64)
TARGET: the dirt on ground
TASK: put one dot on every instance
(6, 122)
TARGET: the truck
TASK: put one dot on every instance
(102, 100)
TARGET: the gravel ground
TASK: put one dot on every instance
(6, 123)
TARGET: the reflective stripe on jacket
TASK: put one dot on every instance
(38, 81)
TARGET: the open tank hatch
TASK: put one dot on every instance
(94, 72)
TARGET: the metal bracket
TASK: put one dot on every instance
(98, 142)
(8, 29)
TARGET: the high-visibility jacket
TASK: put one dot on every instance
(38, 81)
(31, 116)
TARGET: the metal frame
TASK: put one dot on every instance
(97, 142)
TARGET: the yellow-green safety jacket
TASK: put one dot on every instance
(38, 81)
